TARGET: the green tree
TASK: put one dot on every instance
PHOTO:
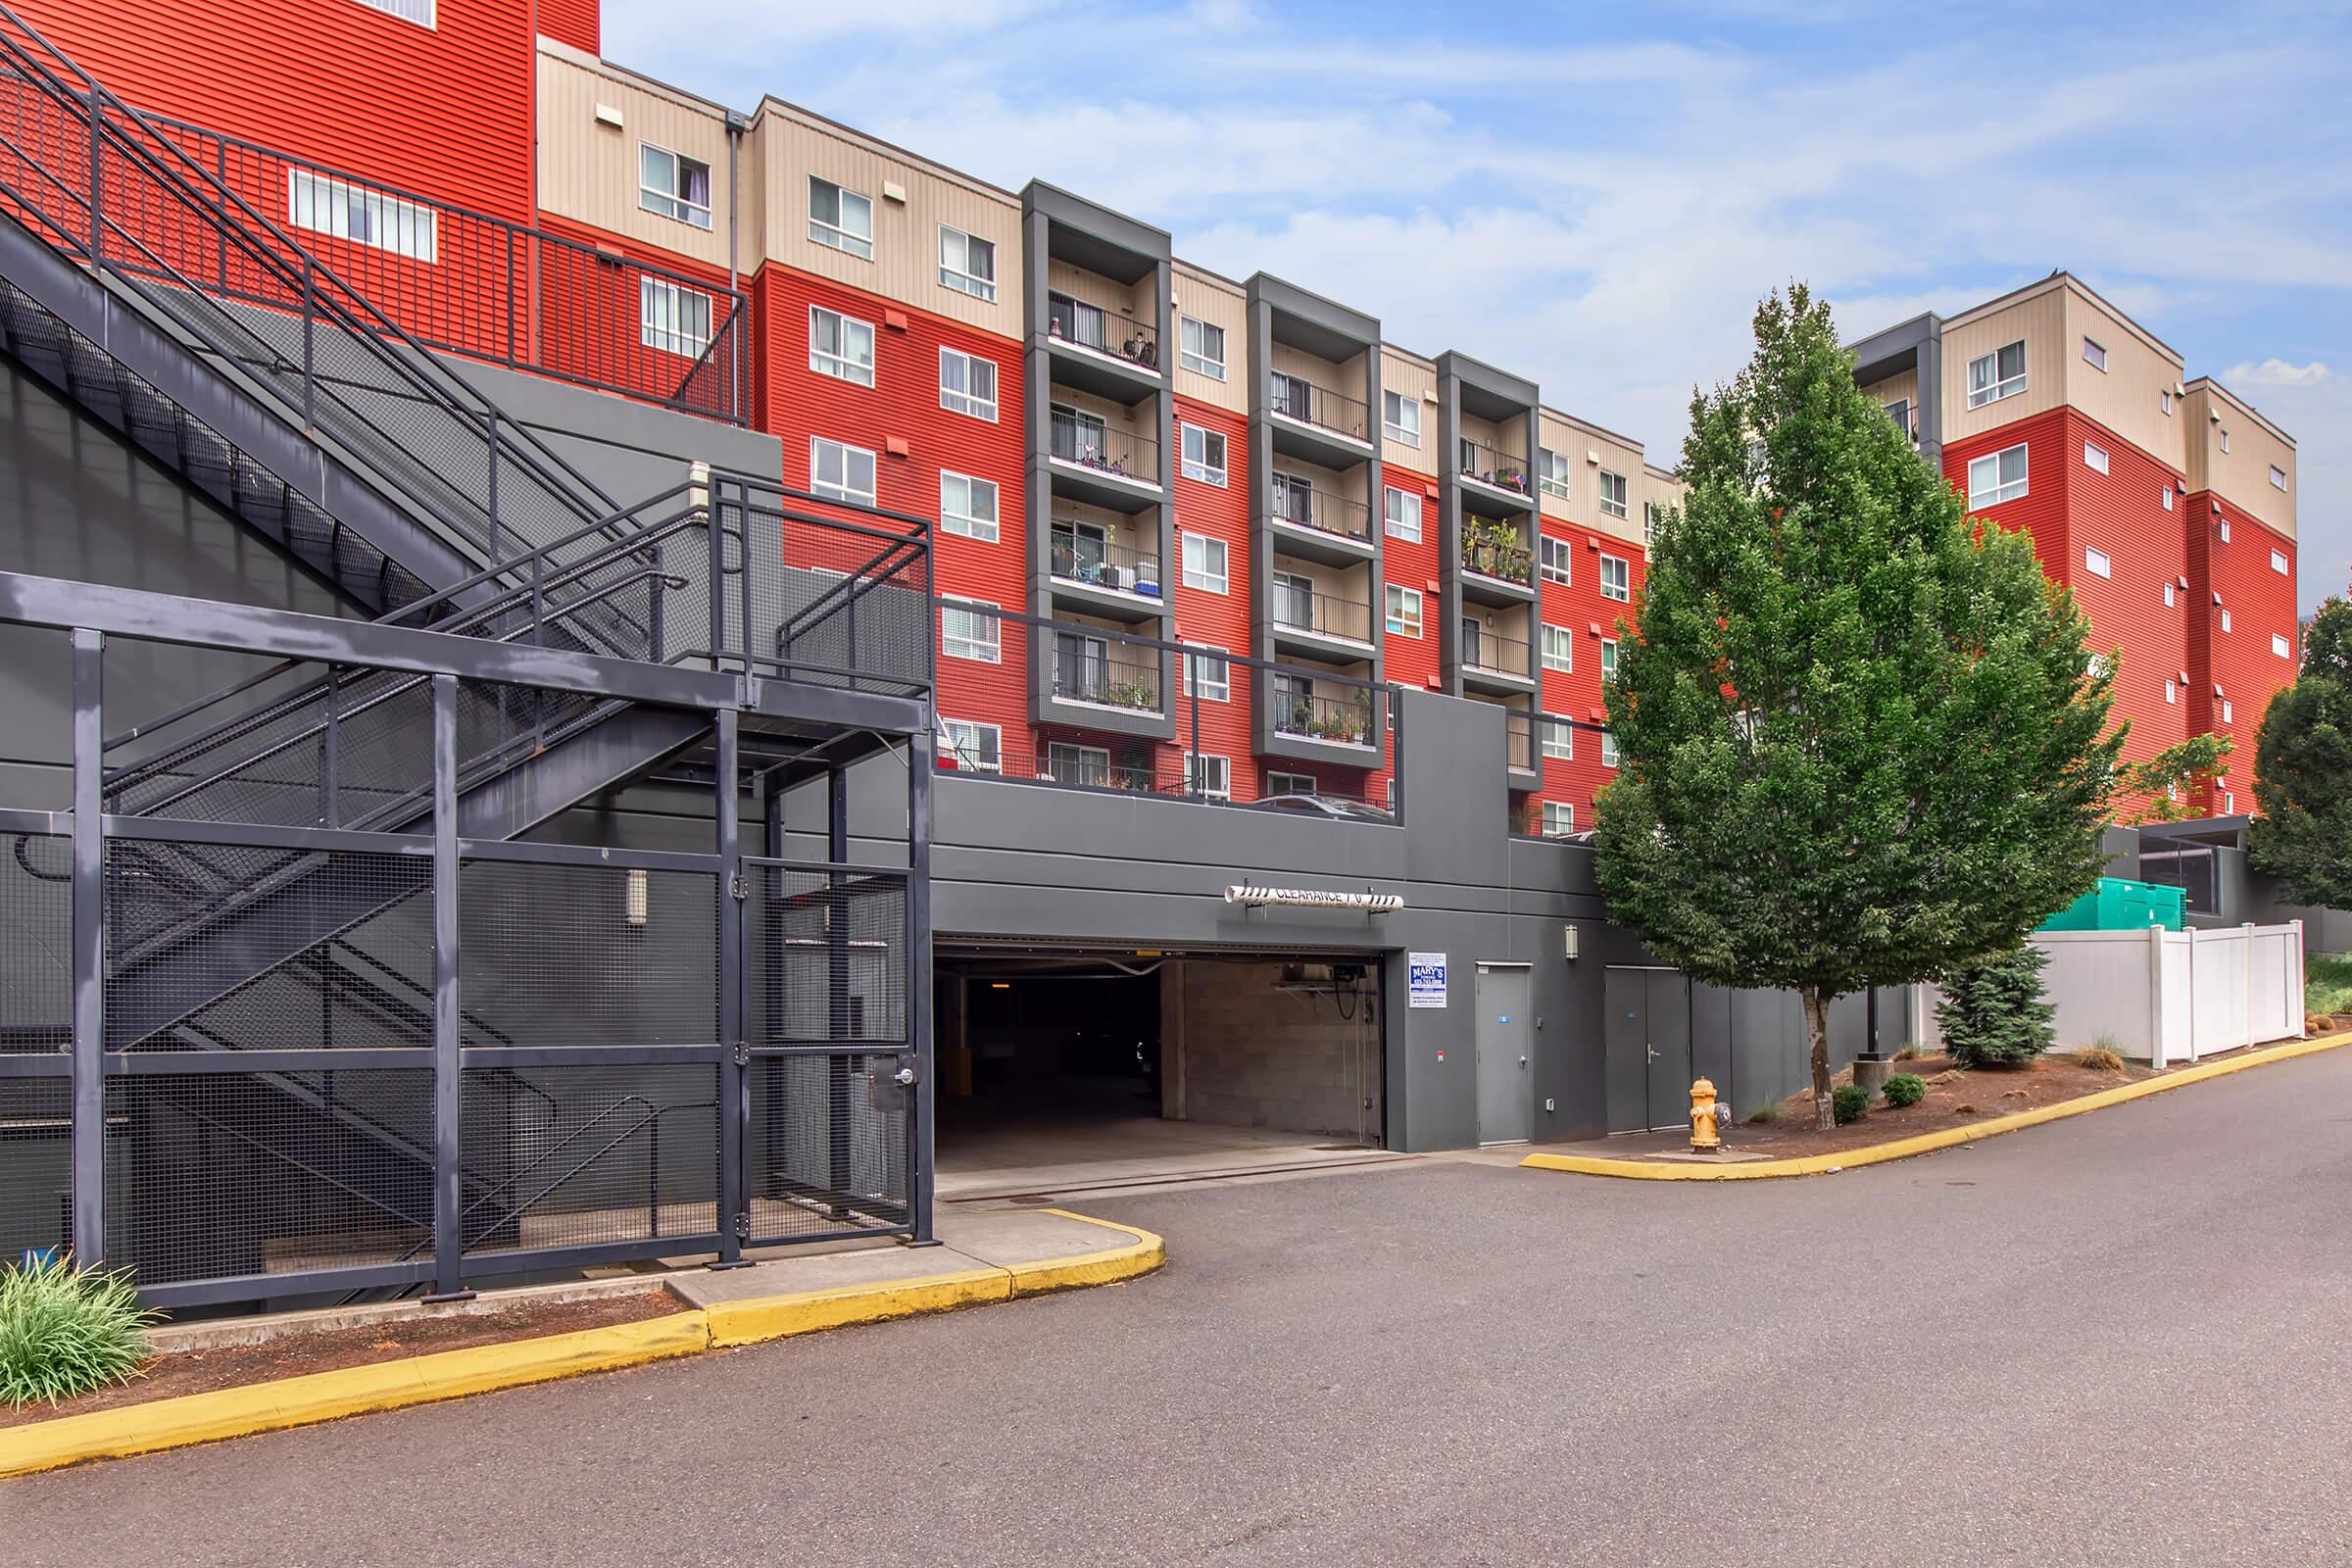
(1992, 1012)
(2164, 781)
(2303, 771)
(1862, 740)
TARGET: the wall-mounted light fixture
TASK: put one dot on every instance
(1568, 940)
(637, 899)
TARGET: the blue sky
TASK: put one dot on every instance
(1595, 196)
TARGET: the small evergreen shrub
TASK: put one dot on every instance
(1848, 1102)
(1906, 1089)
(64, 1330)
(1992, 1012)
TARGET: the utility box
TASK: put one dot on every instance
(2118, 904)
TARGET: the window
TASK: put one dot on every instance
(2225, 530)
(1290, 783)
(1608, 750)
(968, 506)
(1553, 475)
(1206, 677)
(1898, 414)
(327, 206)
(1651, 512)
(969, 633)
(1608, 658)
(1559, 648)
(1212, 776)
(2093, 355)
(966, 264)
(844, 472)
(1077, 764)
(2167, 596)
(1997, 477)
(1204, 563)
(2094, 456)
(1996, 375)
(1403, 512)
(672, 317)
(2278, 562)
(1404, 612)
(1616, 579)
(841, 346)
(967, 384)
(673, 185)
(421, 12)
(1202, 348)
(2225, 620)
(2277, 477)
(2229, 713)
(2281, 645)
(2095, 563)
(2164, 401)
(2228, 802)
(976, 748)
(1400, 418)
(1559, 819)
(2224, 439)
(1613, 494)
(2165, 490)
(842, 218)
(1555, 738)
(1554, 558)
(1204, 455)
(2172, 690)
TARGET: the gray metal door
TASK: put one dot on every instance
(1625, 1046)
(1669, 1076)
(1505, 1107)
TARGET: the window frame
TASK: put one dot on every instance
(2094, 456)
(2165, 490)
(962, 279)
(1608, 659)
(963, 762)
(2281, 564)
(1223, 576)
(1620, 504)
(1997, 386)
(975, 611)
(2278, 479)
(949, 519)
(388, 217)
(1398, 433)
(1389, 525)
(2098, 562)
(975, 404)
(1202, 690)
(403, 10)
(1280, 782)
(1199, 361)
(1554, 484)
(1221, 471)
(1547, 635)
(1394, 618)
(1555, 741)
(846, 496)
(2001, 491)
(1622, 592)
(675, 338)
(1568, 809)
(1609, 754)
(1546, 546)
(2092, 348)
(835, 237)
(2281, 646)
(1222, 768)
(847, 365)
(647, 196)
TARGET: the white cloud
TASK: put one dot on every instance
(2274, 372)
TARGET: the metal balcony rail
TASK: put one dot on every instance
(1103, 564)
(1324, 615)
(1090, 674)
(1319, 510)
(1075, 321)
(1106, 449)
(492, 289)
(111, 188)
(1518, 743)
(1492, 465)
(1296, 398)
(1507, 563)
(1161, 771)
(1489, 651)
(1348, 720)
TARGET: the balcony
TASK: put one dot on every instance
(1317, 525)
(1497, 567)
(1086, 671)
(1519, 751)
(1103, 577)
(1102, 351)
(1316, 424)
(1318, 624)
(1494, 663)
(1101, 464)
(1494, 482)
(1335, 720)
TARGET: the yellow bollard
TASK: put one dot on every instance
(1704, 1139)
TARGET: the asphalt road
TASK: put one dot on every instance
(2117, 1339)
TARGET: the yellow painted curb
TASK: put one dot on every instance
(1927, 1143)
(350, 1391)
(1140, 1256)
(776, 1317)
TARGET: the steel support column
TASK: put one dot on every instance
(734, 1206)
(838, 1075)
(447, 1064)
(89, 949)
(920, 1103)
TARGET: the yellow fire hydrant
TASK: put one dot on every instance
(1704, 1139)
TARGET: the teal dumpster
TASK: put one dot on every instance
(2118, 904)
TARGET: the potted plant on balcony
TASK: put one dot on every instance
(1130, 694)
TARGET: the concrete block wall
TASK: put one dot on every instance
(1247, 1053)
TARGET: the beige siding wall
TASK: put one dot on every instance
(2127, 396)
(1219, 304)
(1585, 443)
(1350, 583)
(2243, 474)
(1904, 386)
(1559, 435)
(1416, 379)
(1347, 381)
(588, 172)
(1117, 527)
(1347, 486)
(1661, 490)
(906, 264)
(2039, 320)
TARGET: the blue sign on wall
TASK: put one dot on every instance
(1427, 986)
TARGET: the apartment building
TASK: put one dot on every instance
(2165, 505)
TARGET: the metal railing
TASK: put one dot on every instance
(1506, 563)
(1518, 743)
(1070, 319)
(111, 188)
(1106, 449)
(1103, 564)
(1324, 615)
(1491, 651)
(1106, 679)
(1490, 465)
(1302, 400)
(1319, 510)
(1345, 720)
(493, 289)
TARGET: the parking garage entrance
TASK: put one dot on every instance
(1068, 1068)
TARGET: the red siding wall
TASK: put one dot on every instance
(446, 111)
(1575, 694)
(1219, 621)
(1411, 661)
(576, 22)
(2240, 662)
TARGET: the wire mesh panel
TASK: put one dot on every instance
(36, 1166)
(826, 1144)
(215, 1175)
(832, 602)
(595, 1156)
(588, 955)
(827, 961)
(37, 932)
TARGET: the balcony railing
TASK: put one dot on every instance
(1320, 511)
(1320, 407)
(1492, 465)
(1106, 449)
(1106, 679)
(1502, 655)
(1518, 743)
(1489, 558)
(1099, 564)
(1324, 615)
(1105, 330)
(1346, 719)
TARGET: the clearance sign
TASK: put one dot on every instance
(1253, 896)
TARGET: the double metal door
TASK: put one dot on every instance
(1647, 1046)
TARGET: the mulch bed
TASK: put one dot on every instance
(392, 1337)
(1956, 1097)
